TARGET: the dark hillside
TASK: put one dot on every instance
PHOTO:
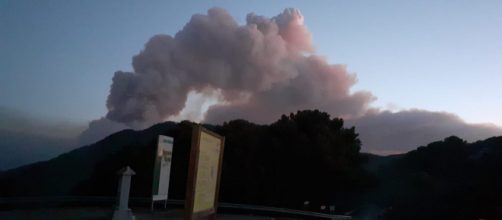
(63, 174)
(303, 156)
(449, 179)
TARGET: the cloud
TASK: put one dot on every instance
(26, 138)
(260, 70)
(385, 132)
(99, 129)
(23, 123)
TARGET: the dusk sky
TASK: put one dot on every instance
(58, 58)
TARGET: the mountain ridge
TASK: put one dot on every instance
(304, 156)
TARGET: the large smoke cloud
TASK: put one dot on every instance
(26, 138)
(385, 132)
(259, 70)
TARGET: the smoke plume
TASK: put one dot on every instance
(258, 71)
(27, 138)
(384, 132)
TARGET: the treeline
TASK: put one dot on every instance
(448, 179)
(304, 156)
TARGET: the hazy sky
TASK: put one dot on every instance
(57, 58)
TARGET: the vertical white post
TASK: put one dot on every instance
(122, 212)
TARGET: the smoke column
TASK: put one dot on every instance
(258, 71)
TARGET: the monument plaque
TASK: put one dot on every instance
(204, 173)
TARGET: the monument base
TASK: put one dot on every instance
(123, 215)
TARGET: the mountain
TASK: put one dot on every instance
(448, 179)
(65, 174)
(20, 148)
(305, 156)
(26, 138)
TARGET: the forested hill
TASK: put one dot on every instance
(448, 179)
(305, 156)
(302, 156)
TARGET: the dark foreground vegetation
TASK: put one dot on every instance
(306, 156)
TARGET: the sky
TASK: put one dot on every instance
(58, 58)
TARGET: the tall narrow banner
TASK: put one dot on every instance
(162, 169)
